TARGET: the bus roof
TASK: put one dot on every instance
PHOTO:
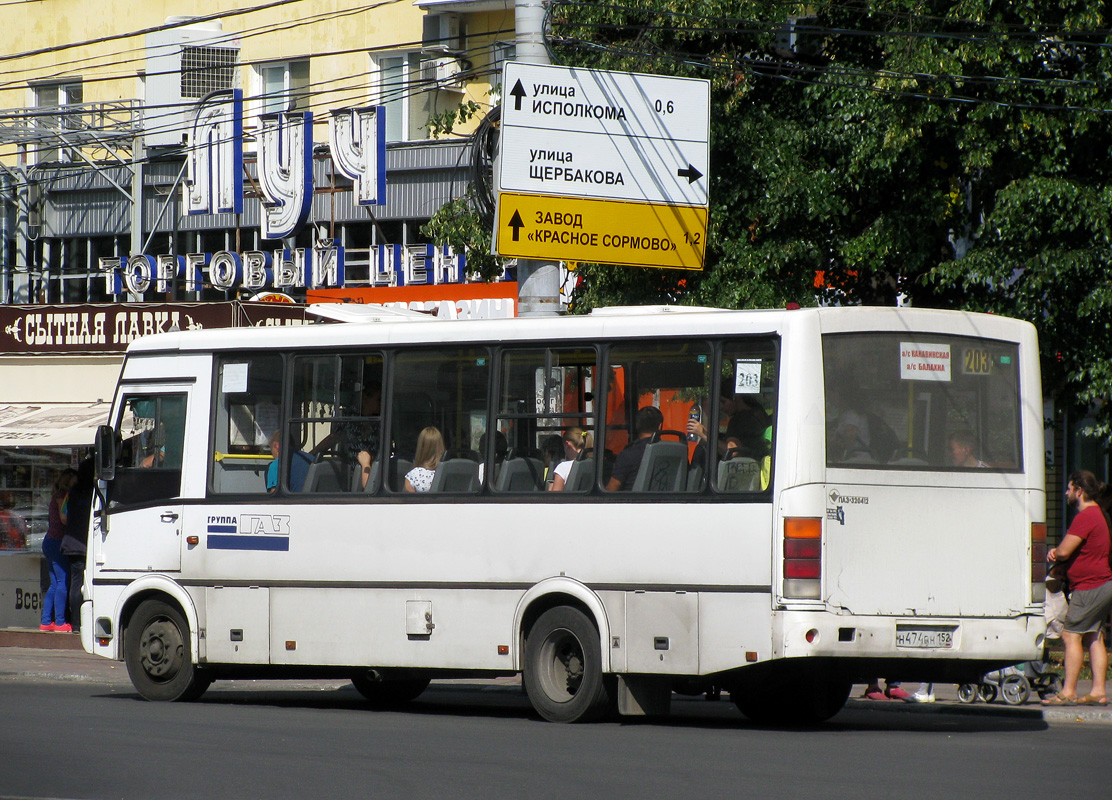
(375, 328)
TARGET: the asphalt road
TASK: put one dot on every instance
(71, 732)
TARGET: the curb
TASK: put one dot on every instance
(1033, 711)
(39, 640)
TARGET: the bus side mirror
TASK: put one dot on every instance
(106, 453)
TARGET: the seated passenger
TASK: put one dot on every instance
(501, 450)
(358, 436)
(962, 444)
(749, 435)
(299, 467)
(851, 437)
(430, 449)
(647, 422)
(576, 440)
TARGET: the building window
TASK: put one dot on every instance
(282, 86)
(54, 126)
(500, 53)
(400, 90)
(207, 69)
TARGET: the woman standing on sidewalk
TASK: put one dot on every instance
(57, 596)
(1085, 549)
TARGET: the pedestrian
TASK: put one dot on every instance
(56, 597)
(1085, 549)
(79, 508)
(891, 691)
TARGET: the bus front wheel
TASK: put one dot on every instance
(563, 667)
(156, 651)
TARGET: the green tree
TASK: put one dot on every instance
(955, 152)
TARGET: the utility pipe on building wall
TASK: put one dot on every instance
(21, 275)
(538, 282)
(5, 265)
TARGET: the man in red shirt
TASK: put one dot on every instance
(1085, 549)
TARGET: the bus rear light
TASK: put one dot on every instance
(802, 548)
(802, 528)
(802, 557)
(811, 636)
(1038, 562)
(802, 569)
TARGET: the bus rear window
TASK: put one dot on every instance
(921, 401)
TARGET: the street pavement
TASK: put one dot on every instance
(58, 657)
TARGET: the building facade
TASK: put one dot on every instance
(98, 135)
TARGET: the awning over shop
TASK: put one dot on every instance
(51, 424)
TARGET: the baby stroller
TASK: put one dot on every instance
(1009, 684)
(1042, 680)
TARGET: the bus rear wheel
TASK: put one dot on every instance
(157, 654)
(563, 667)
(384, 691)
(792, 697)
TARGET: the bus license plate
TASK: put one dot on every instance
(925, 638)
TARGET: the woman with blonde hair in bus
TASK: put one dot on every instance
(1085, 551)
(576, 441)
(430, 449)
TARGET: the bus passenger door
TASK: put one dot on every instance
(143, 527)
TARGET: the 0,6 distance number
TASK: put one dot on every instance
(664, 106)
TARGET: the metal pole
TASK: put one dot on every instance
(138, 154)
(21, 279)
(538, 282)
(5, 289)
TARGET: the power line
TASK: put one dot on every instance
(154, 29)
(220, 40)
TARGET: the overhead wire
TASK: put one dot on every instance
(315, 93)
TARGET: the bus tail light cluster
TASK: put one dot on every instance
(1038, 562)
(802, 557)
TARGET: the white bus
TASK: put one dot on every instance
(868, 501)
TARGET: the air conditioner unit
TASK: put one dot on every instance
(184, 64)
(440, 32)
(444, 72)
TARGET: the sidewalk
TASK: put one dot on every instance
(946, 701)
(59, 656)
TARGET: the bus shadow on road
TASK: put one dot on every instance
(508, 703)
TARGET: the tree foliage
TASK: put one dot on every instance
(954, 152)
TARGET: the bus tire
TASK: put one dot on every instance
(563, 667)
(157, 654)
(382, 692)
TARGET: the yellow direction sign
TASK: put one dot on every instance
(547, 227)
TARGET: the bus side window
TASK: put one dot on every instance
(744, 430)
(654, 390)
(335, 422)
(445, 389)
(545, 417)
(247, 412)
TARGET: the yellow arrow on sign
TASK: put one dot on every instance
(603, 231)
